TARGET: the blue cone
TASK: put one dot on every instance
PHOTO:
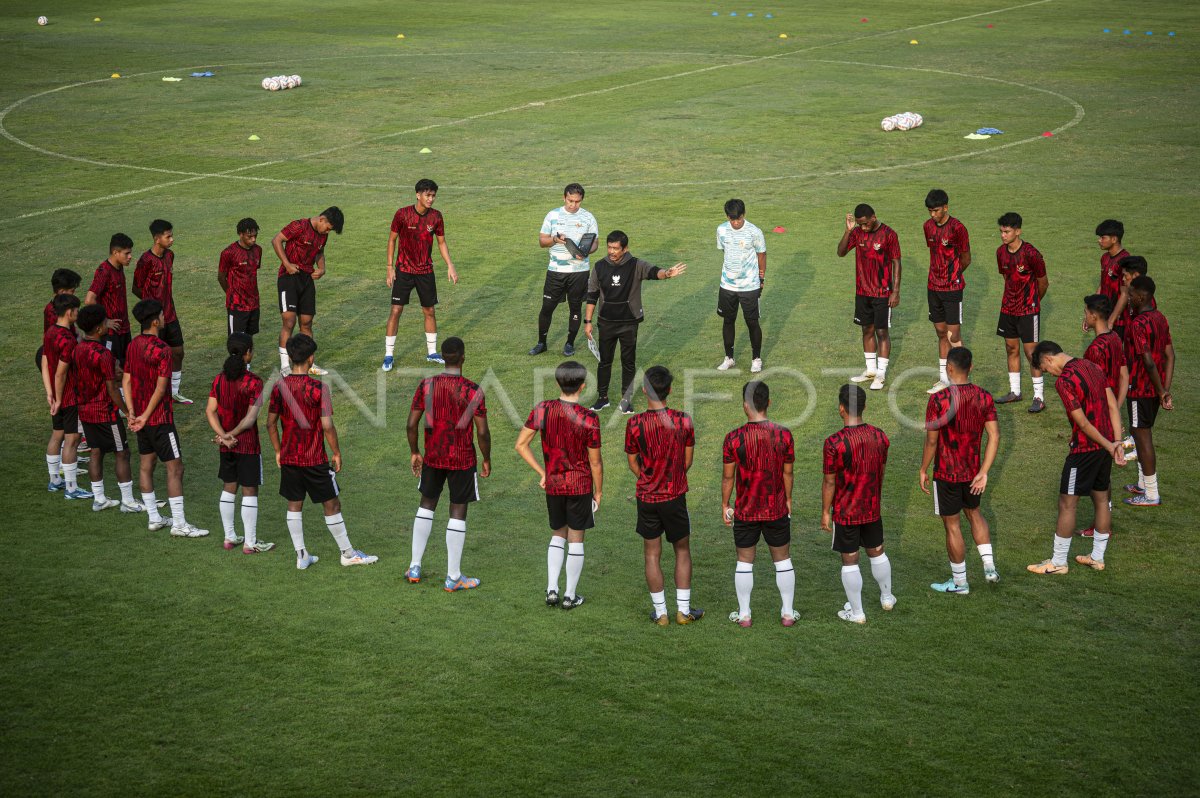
(716, 13)
(1149, 33)
(1106, 30)
(750, 14)
(771, 16)
(733, 13)
(1126, 31)
(1172, 33)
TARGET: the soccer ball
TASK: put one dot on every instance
(918, 120)
(297, 80)
(43, 21)
(904, 122)
(270, 84)
(291, 82)
(889, 123)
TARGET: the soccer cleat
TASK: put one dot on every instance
(551, 598)
(568, 349)
(1140, 500)
(949, 586)
(866, 376)
(1087, 533)
(538, 348)
(234, 542)
(83, 446)
(388, 362)
(78, 493)
(463, 582)
(188, 531)
(888, 602)
(132, 507)
(435, 358)
(82, 459)
(726, 364)
(659, 620)
(601, 403)
(744, 621)
(1131, 454)
(100, 505)
(304, 562)
(259, 547)
(847, 614)
(570, 603)
(1086, 559)
(413, 574)
(991, 575)
(1037, 405)
(358, 557)
(1046, 567)
(1130, 488)
(1008, 398)
(691, 616)
(180, 399)
(938, 387)
(626, 407)
(56, 485)
(1129, 443)
(789, 619)
(756, 365)
(316, 371)
(877, 383)
(162, 523)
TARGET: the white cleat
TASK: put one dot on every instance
(316, 371)
(866, 376)
(188, 531)
(132, 507)
(877, 384)
(180, 399)
(99, 505)
(358, 557)
(887, 602)
(938, 387)
(756, 365)
(847, 614)
(302, 563)
(726, 364)
(162, 523)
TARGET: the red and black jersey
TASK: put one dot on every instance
(49, 317)
(1082, 384)
(94, 367)
(148, 359)
(568, 431)
(450, 403)
(1110, 275)
(1108, 352)
(858, 456)
(1148, 332)
(301, 402)
(873, 256)
(153, 278)
(108, 284)
(659, 438)
(416, 233)
(58, 346)
(959, 414)
(304, 246)
(240, 267)
(1022, 270)
(760, 449)
(234, 400)
(1127, 317)
(947, 245)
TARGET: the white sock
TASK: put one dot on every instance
(959, 571)
(785, 580)
(683, 599)
(870, 358)
(574, 567)
(250, 518)
(284, 361)
(54, 466)
(295, 524)
(337, 528)
(1151, 485)
(659, 600)
(422, 527)
(71, 474)
(1099, 545)
(1014, 382)
(743, 583)
(176, 505)
(1039, 387)
(228, 506)
(1141, 476)
(942, 371)
(555, 554)
(126, 492)
(176, 378)
(985, 553)
(852, 583)
(456, 538)
(881, 369)
(881, 569)
(98, 491)
(151, 502)
(389, 345)
(431, 342)
(1062, 548)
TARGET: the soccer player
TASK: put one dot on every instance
(1107, 351)
(758, 456)
(234, 400)
(1108, 235)
(301, 250)
(1151, 356)
(147, 385)
(58, 378)
(949, 256)
(743, 276)
(955, 420)
(453, 408)
(566, 276)
(306, 408)
(96, 376)
(573, 476)
(877, 287)
(660, 443)
(152, 279)
(237, 274)
(1025, 285)
(615, 297)
(854, 459)
(63, 281)
(1131, 268)
(1092, 408)
(410, 265)
(108, 290)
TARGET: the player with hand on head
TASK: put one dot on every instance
(877, 287)
(410, 266)
(1151, 357)
(1095, 418)
(758, 458)
(567, 275)
(237, 274)
(949, 256)
(573, 476)
(301, 250)
(154, 278)
(660, 443)
(955, 420)
(108, 290)
(58, 378)
(743, 277)
(1108, 236)
(854, 459)
(304, 408)
(453, 408)
(1025, 285)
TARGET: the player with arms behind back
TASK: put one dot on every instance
(301, 250)
(237, 274)
(1151, 356)
(1025, 285)
(58, 378)
(154, 278)
(949, 256)
(1108, 236)
(876, 287)
(108, 289)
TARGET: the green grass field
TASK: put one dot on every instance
(133, 663)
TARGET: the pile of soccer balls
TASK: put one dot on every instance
(905, 121)
(280, 82)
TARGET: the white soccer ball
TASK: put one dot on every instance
(905, 122)
(918, 120)
(888, 123)
(291, 82)
(270, 84)
(297, 79)
(43, 21)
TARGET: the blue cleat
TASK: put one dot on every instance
(413, 574)
(950, 587)
(435, 358)
(55, 486)
(388, 362)
(461, 583)
(78, 493)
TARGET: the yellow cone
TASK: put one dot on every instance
(116, 74)
(783, 35)
(399, 35)
(914, 41)
(425, 150)
(97, 19)
(252, 138)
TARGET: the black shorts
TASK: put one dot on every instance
(403, 285)
(37, 359)
(1027, 328)
(849, 538)
(243, 321)
(244, 469)
(161, 439)
(951, 498)
(297, 294)
(117, 343)
(728, 303)
(1142, 412)
(775, 533)
(572, 512)
(1085, 472)
(318, 482)
(108, 437)
(464, 484)
(66, 420)
(872, 311)
(945, 307)
(172, 334)
(571, 286)
(671, 517)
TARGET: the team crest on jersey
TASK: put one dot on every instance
(945, 242)
(1021, 268)
(877, 245)
(428, 228)
(616, 279)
